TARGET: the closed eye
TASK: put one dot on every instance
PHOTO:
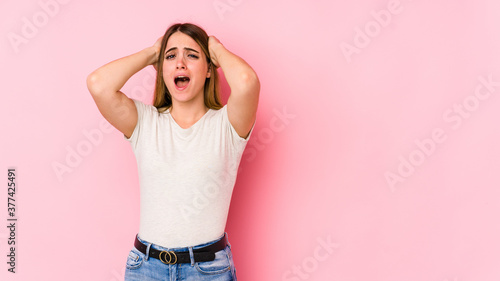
(193, 56)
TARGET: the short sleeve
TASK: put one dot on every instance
(141, 108)
(236, 140)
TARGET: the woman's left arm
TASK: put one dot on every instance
(244, 84)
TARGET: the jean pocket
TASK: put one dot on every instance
(134, 259)
(219, 265)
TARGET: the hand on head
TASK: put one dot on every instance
(157, 47)
(212, 43)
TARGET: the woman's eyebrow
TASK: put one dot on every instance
(185, 48)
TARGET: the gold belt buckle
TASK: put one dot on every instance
(171, 255)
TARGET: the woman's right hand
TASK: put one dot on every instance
(156, 47)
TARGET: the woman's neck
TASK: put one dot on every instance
(187, 114)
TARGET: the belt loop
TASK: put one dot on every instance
(191, 255)
(147, 251)
(227, 239)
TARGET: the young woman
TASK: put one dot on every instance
(188, 148)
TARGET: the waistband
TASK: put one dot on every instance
(183, 249)
(170, 256)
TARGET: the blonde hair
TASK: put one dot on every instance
(162, 98)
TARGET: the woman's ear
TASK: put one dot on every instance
(209, 70)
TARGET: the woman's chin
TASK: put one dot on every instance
(184, 95)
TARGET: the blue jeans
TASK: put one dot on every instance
(142, 267)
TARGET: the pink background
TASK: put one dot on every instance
(330, 127)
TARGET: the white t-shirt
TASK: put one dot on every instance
(186, 176)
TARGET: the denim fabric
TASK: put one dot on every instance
(142, 267)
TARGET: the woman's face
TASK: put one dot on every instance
(185, 68)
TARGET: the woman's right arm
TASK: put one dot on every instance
(104, 85)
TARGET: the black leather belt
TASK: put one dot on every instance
(206, 253)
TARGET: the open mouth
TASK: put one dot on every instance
(181, 82)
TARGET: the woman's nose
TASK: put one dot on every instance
(180, 63)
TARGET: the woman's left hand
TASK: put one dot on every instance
(212, 44)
